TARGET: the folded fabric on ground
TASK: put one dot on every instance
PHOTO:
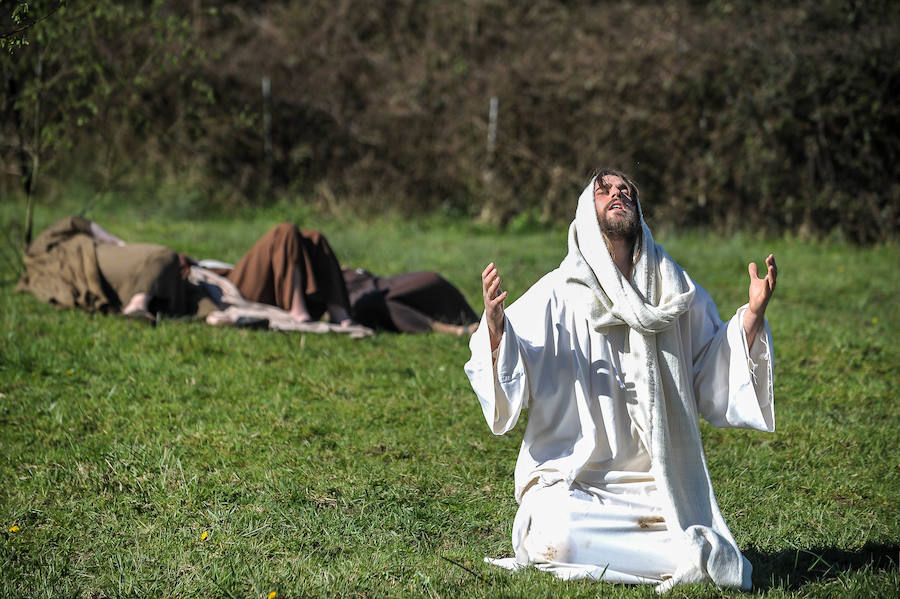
(231, 306)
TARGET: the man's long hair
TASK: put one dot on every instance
(639, 237)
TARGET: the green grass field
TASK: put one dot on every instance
(187, 460)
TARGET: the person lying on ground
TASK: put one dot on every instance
(614, 354)
(295, 270)
(76, 263)
(413, 302)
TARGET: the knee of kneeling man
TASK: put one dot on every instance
(554, 542)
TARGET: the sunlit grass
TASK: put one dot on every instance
(187, 460)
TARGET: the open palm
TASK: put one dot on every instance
(761, 288)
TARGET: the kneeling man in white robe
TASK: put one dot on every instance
(614, 354)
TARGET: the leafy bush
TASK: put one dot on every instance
(736, 115)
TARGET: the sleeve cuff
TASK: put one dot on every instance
(756, 379)
(760, 350)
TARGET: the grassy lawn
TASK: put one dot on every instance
(189, 461)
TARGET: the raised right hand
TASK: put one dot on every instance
(493, 303)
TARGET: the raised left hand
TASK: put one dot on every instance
(761, 290)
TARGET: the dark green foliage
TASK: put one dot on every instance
(738, 115)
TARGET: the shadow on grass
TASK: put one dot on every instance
(794, 568)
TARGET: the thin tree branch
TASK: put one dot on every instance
(33, 22)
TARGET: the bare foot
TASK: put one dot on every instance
(452, 329)
(339, 314)
(302, 318)
(218, 317)
(139, 302)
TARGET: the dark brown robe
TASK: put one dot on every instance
(408, 303)
(266, 273)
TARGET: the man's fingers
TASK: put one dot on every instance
(487, 270)
(492, 290)
(490, 278)
(492, 282)
(754, 273)
(488, 282)
(495, 288)
(771, 268)
(771, 272)
(493, 303)
(494, 296)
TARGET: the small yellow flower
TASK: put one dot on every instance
(69, 371)
(13, 528)
(272, 594)
(875, 320)
(204, 535)
(841, 268)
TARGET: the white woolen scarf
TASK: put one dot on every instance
(666, 411)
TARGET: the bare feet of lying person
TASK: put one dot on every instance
(138, 308)
(454, 329)
(219, 317)
(301, 316)
(339, 315)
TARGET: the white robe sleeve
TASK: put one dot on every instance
(733, 386)
(504, 388)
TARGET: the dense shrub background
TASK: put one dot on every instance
(732, 114)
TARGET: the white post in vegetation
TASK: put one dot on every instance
(267, 124)
(489, 209)
(492, 129)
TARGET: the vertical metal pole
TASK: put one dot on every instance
(489, 208)
(492, 128)
(267, 123)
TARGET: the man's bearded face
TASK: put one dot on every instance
(616, 208)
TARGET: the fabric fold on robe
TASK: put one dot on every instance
(267, 272)
(407, 303)
(228, 299)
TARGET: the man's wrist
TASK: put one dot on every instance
(495, 342)
(753, 324)
(495, 337)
